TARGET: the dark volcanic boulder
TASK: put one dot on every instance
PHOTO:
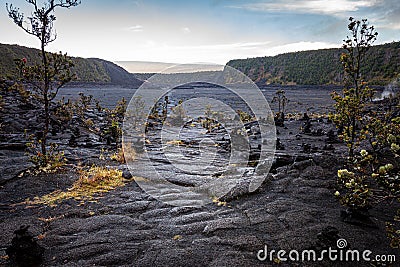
(24, 250)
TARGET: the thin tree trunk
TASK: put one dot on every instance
(46, 88)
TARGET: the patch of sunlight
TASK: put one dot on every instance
(91, 183)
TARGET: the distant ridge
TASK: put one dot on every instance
(91, 70)
(144, 67)
(316, 67)
(320, 67)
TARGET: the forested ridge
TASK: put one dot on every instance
(320, 67)
(91, 70)
(316, 67)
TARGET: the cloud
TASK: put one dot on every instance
(392, 26)
(387, 14)
(136, 28)
(328, 7)
(384, 14)
(230, 46)
(219, 53)
(186, 30)
(216, 53)
(299, 46)
(136, 3)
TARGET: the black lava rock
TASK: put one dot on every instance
(24, 250)
(126, 174)
(326, 238)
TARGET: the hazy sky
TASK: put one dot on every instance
(187, 31)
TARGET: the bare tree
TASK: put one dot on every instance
(53, 72)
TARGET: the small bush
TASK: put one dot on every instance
(50, 162)
(244, 116)
(372, 175)
(118, 156)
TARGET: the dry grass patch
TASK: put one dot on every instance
(128, 152)
(218, 202)
(91, 183)
(118, 156)
(175, 142)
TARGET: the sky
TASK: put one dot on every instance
(212, 31)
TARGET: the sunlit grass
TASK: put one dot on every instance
(218, 202)
(91, 183)
(311, 115)
(175, 142)
(118, 156)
